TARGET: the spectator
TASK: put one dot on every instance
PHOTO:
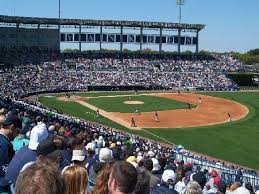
(40, 179)
(20, 141)
(10, 129)
(123, 178)
(193, 188)
(148, 165)
(101, 185)
(28, 153)
(142, 186)
(75, 178)
(167, 183)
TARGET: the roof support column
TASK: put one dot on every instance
(101, 37)
(38, 37)
(141, 38)
(197, 44)
(17, 35)
(121, 39)
(179, 40)
(80, 43)
(160, 42)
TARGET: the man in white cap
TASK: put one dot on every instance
(79, 157)
(167, 182)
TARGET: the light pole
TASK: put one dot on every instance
(180, 3)
(59, 24)
(58, 9)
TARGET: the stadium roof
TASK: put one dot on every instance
(89, 22)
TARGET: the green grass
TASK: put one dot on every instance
(237, 142)
(151, 103)
(77, 110)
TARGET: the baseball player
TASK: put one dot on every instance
(200, 100)
(156, 117)
(229, 117)
(97, 113)
(133, 123)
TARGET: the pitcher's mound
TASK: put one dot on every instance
(133, 102)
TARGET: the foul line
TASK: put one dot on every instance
(157, 136)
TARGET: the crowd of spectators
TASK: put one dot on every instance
(77, 73)
(43, 151)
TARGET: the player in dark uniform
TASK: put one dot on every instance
(97, 113)
(189, 106)
(229, 117)
(133, 123)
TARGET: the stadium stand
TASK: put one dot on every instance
(78, 73)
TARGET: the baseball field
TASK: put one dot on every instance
(199, 121)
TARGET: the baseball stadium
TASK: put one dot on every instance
(68, 99)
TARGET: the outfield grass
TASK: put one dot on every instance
(237, 142)
(151, 103)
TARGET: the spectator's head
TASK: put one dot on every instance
(142, 186)
(249, 187)
(38, 134)
(11, 126)
(193, 188)
(75, 178)
(79, 157)
(123, 178)
(234, 186)
(200, 178)
(41, 179)
(148, 164)
(101, 185)
(105, 155)
(168, 177)
(221, 187)
(214, 173)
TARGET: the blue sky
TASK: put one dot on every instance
(231, 25)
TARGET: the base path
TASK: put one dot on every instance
(209, 111)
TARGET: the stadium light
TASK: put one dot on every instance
(180, 3)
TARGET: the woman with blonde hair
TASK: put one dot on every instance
(101, 186)
(76, 179)
(193, 188)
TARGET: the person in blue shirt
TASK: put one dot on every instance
(9, 130)
(19, 142)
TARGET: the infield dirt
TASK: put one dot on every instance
(209, 111)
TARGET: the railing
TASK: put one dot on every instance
(227, 173)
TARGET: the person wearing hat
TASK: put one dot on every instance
(167, 183)
(9, 130)
(27, 153)
(79, 157)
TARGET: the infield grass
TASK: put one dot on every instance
(151, 103)
(237, 142)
